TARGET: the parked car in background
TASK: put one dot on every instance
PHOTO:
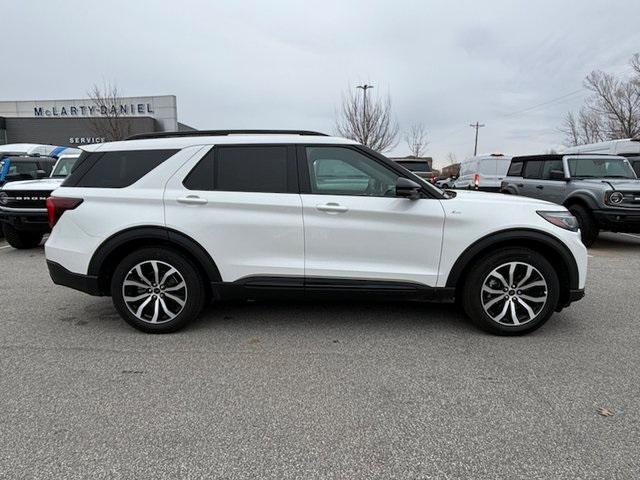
(483, 172)
(34, 149)
(445, 182)
(164, 222)
(601, 191)
(15, 168)
(23, 213)
(629, 148)
(418, 166)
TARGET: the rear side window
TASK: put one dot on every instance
(115, 169)
(255, 168)
(515, 169)
(532, 169)
(550, 165)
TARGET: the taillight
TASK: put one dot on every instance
(476, 179)
(56, 206)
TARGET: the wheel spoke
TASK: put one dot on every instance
(179, 301)
(170, 272)
(503, 312)
(156, 311)
(501, 278)
(526, 275)
(175, 287)
(538, 283)
(141, 275)
(527, 308)
(166, 309)
(514, 316)
(136, 298)
(512, 270)
(156, 274)
(133, 283)
(141, 307)
(492, 291)
(491, 303)
(533, 299)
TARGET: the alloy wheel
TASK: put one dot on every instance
(154, 291)
(514, 293)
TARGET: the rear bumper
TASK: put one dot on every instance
(618, 220)
(62, 276)
(23, 220)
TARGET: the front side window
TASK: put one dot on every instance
(345, 171)
(600, 168)
(550, 165)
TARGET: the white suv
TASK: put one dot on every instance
(164, 223)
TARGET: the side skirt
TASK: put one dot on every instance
(329, 288)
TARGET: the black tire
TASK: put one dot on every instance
(21, 240)
(588, 226)
(472, 294)
(194, 292)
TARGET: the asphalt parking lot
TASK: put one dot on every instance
(313, 390)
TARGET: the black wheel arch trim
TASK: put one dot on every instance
(162, 234)
(514, 235)
(578, 198)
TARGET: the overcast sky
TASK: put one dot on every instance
(284, 64)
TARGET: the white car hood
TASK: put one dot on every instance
(501, 198)
(34, 185)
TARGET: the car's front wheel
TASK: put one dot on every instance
(157, 290)
(511, 292)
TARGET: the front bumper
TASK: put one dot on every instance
(574, 296)
(618, 220)
(26, 220)
(62, 276)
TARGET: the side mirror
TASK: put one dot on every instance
(557, 175)
(41, 174)
(407, 189)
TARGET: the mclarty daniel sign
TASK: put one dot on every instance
(122, 109)
(162, 108)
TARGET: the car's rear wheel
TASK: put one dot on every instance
(19, 239)
(157, 290)
(588, 226)
(511, 292)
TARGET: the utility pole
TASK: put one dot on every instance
(477, 126)
(365, 120)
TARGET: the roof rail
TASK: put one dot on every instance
(221, 133)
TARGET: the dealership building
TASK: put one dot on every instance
(81, 121)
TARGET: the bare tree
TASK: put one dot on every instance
(416, 139)
(612, 111)
(451, 158)
(111, 124)
(368, 121)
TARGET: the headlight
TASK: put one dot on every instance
(615, 198)
(561, 219)
(4, 198)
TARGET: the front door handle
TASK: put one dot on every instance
(539, 187)
(192, 200)
(332, 208)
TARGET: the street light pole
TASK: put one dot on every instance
(365, 120)
(477, 126)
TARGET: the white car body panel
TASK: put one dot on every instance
(375, 238)
(284, 234)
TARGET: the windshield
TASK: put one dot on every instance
(600, 168)
(416, 166)
(63, 167)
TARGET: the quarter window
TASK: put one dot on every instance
(344, 171)
(515, 169)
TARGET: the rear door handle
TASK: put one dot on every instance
(192, 200)
(521, 185)
(539, 187)
(332, 208)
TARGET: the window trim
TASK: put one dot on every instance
(304, 178)
(292, 166)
